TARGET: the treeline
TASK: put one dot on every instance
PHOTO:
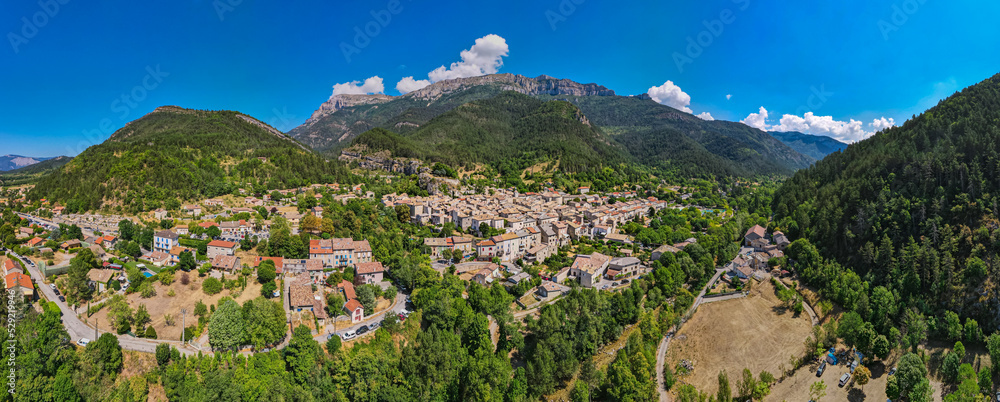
(913, 209)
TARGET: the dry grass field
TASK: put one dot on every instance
(185, 297)
(753, 332)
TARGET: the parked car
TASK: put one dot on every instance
(401, 317)
(844, 379)
(363, 329)
(348, 335)
(822, 367)
(62, 298)
(56, 291)
(892, 371)
(83, 342)
(375, 325)
(53, 286)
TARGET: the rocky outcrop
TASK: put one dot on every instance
(338, 102)
(379, 162)
(541, 85)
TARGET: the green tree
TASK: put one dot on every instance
(213, 231)
(817, 390)
(861, 376)
(105, 354)
(301, 354)
(266, 271)
(746, 385)
(880, 347)
(581, 392)
(162, 354)
(333, 345)
(187, 261)
(226, 329)
(211, 286)
(910, 373)
(725, 393)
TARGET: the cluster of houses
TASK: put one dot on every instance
(536, 224)
(758, 250)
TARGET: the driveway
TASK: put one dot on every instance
(397, 307)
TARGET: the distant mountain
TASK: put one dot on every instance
(183, 154)
(31, 173)
(648, 132)
(814, 146)
(11, 162)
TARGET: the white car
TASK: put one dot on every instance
(348, 335)
(83, 342)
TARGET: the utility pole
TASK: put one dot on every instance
(183, 314)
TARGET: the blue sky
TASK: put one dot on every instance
(64, 73)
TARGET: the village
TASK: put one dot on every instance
(498, 236)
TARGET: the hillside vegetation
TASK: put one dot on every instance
(508, 128)
(180, 154)
(31, 173)
(913, 209)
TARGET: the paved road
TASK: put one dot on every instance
(661, 357)
(78, 329)
(397, 307)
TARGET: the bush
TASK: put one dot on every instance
(115, 284)
(150, 332)
(166, 277)
(211, 286)
(146, 290)
(185, 279)
(268, 289)
(333, 344)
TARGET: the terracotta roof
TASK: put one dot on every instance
(9, 265)
(279, 262)
(314, 265)
(756, 230)
(221, 243)
(101, 275)
(364, 268)
(227, 262)
(16, 278)
(207, 225)
(300, 293)
(352, 305)
(348, 289)
(35, 241)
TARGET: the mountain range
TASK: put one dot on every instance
(643, 130)
(11, 162)
(814, 146)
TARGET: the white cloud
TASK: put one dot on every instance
(846, 131)
(757, 120)
(484, 57)
(882, 123)
(671, 95)
(706, 116)
(372, 85)
(729, 96)
(408, 84)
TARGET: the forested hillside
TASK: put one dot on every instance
(181, 154)
(508, 129)
(813, 146)
(659, 135)
(913, 209)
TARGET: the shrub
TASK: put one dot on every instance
(150, 332)
(185, 279)
(166, 277)
(146, 290)
(211, 286)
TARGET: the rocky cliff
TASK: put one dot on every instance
(343, 116)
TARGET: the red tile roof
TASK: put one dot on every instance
(369, 267)
(352, 305)
(221, 243)
(15, 278)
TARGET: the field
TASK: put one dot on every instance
(186, 296)
(753, 332)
